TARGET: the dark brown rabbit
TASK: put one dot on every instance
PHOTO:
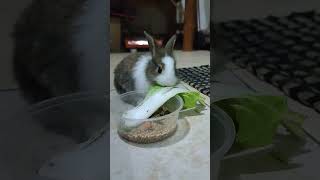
(57, 45)
(138, 71)
(55, 42)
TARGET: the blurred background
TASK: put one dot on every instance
(188, 19)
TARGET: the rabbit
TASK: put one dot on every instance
(138, 71)
(56, 43)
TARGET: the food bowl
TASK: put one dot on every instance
(223, 137)
(149, 130)
(51, 128)
(81, 116)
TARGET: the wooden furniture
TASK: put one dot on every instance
(189, 24)
(115, 34)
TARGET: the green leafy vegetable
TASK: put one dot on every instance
(154, 89)
(191, 99)
(257, 123)
(158, 96)
(294, 128)
(258, 118)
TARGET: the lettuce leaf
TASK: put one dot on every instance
(258, 117)
(190, 98)
(156, 97)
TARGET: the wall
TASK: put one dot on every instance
(203, 15)
(155, 16)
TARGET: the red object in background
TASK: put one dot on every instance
(140, 43)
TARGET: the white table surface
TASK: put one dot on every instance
(179, 157)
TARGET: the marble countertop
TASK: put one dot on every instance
(185, 155)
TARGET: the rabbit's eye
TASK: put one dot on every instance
(159, 70)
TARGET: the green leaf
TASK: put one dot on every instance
(226, 105)
(191, 99)
(277, 103)
(257, 117)
(153, 89)
(258, 123)
(295, 117)
(294, 128)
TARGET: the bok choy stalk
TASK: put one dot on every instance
(155, 98)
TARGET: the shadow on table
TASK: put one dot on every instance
(278, 158)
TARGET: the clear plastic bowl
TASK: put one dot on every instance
(148, 130)
(53, 127)
(223, 137)
(81, 116)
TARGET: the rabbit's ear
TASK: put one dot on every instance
(170, 44)
(152, 45)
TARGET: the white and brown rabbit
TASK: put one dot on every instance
(138, 71)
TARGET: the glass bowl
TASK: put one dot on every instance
(149, 130)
